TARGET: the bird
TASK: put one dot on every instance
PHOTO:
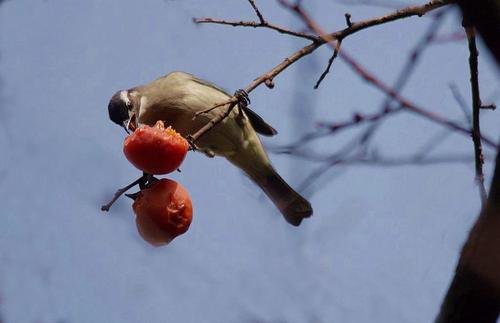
(177, 98)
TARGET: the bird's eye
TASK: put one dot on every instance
(129, 105)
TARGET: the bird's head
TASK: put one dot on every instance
(121, 110)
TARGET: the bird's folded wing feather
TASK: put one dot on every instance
(257, 122)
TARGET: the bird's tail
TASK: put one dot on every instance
(290, 203)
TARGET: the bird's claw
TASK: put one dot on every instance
(242, 97)
(147, 180)
(191, 143)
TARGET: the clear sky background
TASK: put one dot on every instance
(381, 246)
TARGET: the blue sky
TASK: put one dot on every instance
(381, 246)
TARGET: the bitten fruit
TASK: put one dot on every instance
(163, 212)
(155, 150)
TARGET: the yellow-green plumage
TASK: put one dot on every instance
(175, 99)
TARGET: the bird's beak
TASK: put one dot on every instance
(132, 123)
(124, 125)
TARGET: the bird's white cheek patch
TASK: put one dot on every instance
(142, 106)
(143, 103)
(124, 97)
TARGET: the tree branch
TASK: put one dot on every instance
(212, 123)
(476, 108)
(123, 190)
(330, 62)
(358, 26)
(257, 11)
(255, 24)
(371, 79)
(267, 78)
(461, 102)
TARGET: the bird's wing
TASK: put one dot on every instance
(211, 85)
(259, 124)
(256, 121)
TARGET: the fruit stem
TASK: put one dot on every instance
(122, 190)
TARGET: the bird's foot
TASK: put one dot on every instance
(242, 97)
(147, 180)
(192, 145)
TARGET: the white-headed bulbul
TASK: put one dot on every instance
(175, 99)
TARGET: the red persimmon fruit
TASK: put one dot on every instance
(163, 211)
(155, 150)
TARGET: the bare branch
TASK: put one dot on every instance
(348, 21)
(411, 63)
(215, 106)
(386, 161)
(122, 191)
(491, 106)
(329, 162)
(396, 15)
(357, 119)
(432, 143)
(371, 79)
(476, 108)
(212, 123)
(254, 24)
(461, 102)
(330, 62)
(454, 37)
(268, 77)
(377, 160)
(257, 11)
(401, 81)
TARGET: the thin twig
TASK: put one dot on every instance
(333, 127)
(476, 108)
(257, 11)
(255, 24)
(268, 77)
(453, 37)
(209, 125)
(461, 102)
(491, 106)
(432, 143)
(122, 191)
(371, 79)
(415, 55)
(352, 155)
(383, 161)
(357, 119)
(401, 81)
(329, 162)
(330, 62)
(348, 21)
(255, 83)
(409, 67)
(215, 106)
(396, 15)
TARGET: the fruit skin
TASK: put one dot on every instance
(155, 150)
(163, 211)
